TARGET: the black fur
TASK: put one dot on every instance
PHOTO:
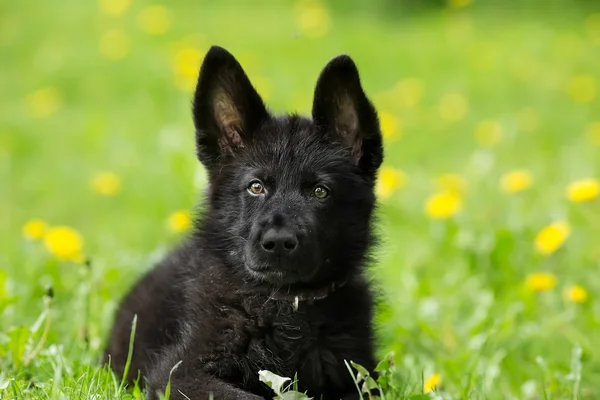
(288, 213)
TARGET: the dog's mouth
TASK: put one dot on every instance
(277, 277)
(280, 273)
(268, 276)
(310, 295)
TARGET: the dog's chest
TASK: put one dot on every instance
(290, 342)
(261, 334)
(237, 336)
(284, 332)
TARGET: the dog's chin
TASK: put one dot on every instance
(278, 277)
(274, 278)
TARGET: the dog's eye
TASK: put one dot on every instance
(256, 188)
(320, 192)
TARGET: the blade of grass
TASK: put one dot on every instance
(129, 353)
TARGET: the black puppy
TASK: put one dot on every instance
(272, 277)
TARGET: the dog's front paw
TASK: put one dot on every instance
(238, 394)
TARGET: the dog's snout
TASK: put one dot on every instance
(281, 241)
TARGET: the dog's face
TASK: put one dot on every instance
(291, 199)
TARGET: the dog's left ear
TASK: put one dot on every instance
(342, 108)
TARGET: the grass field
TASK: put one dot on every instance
(489, 262)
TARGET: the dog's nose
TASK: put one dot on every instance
(279, 241)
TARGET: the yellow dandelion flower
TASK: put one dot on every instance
(114, 8)
(443, 205)
(408, 92)
(64, 243)
(263, 86)
(451, 182)
(154, 19)
(186, 65)
(114, 44)
(389, 125)
(432, 383)
(389, 180)
(312, 18)
(540, 281)
(583, 190)
(516, 181)
(488, 133)
(582, 88)
(576, 294)
(180, 221)
(44, 102)
(552, 237)
(592, 24)
(453, 107)
(34, 229)
(528, 120)
(106, 183)
(593, 133)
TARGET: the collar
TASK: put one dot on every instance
(309, 295)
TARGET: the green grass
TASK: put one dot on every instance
(455, 299)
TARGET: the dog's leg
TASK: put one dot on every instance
(201, 387)
(189, 381)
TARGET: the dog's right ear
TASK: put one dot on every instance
(227, 109)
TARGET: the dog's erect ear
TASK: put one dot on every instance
(227, 109)
(342, 108)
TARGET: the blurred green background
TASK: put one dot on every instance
(490, 257)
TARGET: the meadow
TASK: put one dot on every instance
(488, 267)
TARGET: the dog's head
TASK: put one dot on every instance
(290, 199)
